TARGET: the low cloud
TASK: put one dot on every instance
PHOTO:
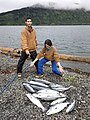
(57, 4)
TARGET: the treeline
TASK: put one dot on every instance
(42, 16)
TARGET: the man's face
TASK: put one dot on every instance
(28, 22)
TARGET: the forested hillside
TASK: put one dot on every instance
(42, 16)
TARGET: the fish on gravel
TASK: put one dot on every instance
(70, 107)
(49, 91)
(46, 97)
(41, 81)
(59, 100)
(62, 95)
(28, 87)
(55, 85)
(37, 88)
(36, 101)
(38, 84)
(60, 89)
(57, 108)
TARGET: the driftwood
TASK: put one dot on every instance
(6, 49)
(75, 58)
(11, 51)
(16, 52)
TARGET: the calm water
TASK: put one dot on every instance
(72, 40)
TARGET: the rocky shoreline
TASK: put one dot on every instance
(14, 105)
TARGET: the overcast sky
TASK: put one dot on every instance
(8, 5)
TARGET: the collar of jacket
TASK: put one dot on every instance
(29, 29)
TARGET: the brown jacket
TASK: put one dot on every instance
(51, 54)
(28, 40)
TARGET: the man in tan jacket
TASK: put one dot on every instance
(28, 45)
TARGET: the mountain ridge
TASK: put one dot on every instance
(45, 16)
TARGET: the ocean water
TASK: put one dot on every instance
(72, 40)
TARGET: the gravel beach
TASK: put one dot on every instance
(14, 105)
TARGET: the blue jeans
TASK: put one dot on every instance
(43, 61)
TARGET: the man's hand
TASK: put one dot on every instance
(27, 52)
(32, 64)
